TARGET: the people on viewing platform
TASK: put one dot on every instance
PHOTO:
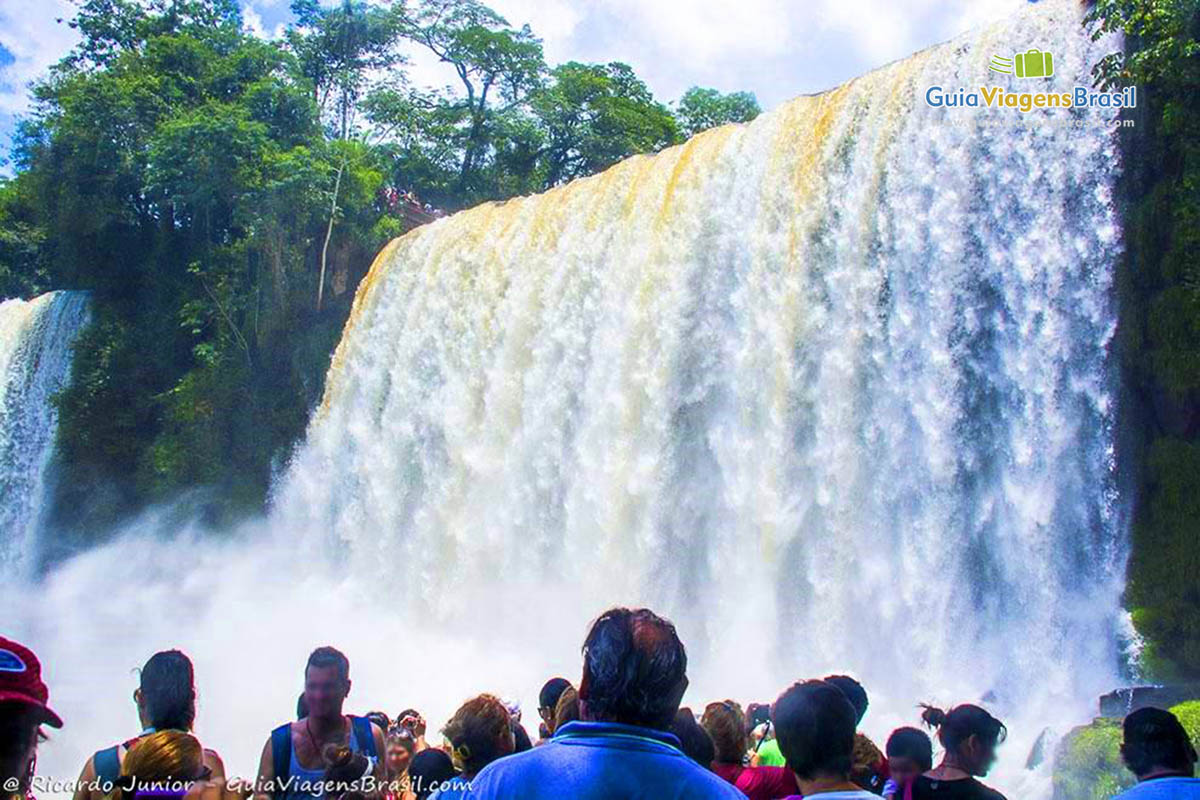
(480, 732)
(622, 735)
(431, 769)
(401, 748)
(870, 769)
(347, 773)
(164, 763)
(411, 720)
(547, 702)
(567, 708)
(766, 748)
(408, 204)
(693, 739)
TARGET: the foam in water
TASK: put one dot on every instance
(831, 389)
(35, 361)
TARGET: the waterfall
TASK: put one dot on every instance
(831, 389)
(834, 385)
(35, 362)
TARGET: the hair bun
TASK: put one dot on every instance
(933, 716)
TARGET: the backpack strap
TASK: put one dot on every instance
(364, 736)
(108, 766)
(281, 754)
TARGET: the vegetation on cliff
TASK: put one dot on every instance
(1159, 340)
(221, 196)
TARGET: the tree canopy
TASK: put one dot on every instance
(221, 196)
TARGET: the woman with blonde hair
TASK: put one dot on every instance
(170, 765)
(479, 733)
(726, 724)
(166, 763)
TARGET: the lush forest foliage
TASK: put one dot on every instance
(1160, 320)
(221, 196)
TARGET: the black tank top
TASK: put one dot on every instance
(925, 788)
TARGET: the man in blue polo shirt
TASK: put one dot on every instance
(634, 675)
(1156, 749)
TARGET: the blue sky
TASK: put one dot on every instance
(774, 48)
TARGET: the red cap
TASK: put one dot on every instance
(21, 680)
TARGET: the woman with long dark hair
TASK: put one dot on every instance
(166, 701)
(970, 736)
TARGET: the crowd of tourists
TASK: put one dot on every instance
(397, 200)
(620, 734)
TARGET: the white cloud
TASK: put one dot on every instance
(253, 22)
(775, 48)
(30, 31)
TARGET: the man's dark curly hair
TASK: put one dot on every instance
(634, 669)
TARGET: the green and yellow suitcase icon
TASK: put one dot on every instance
(1034, 64)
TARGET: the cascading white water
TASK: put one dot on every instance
(35, 362)
(831, 389)
(837, 379)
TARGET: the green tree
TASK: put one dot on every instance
(111, 27)
(594, 115)
(1159, 335)
(177, 167)
(497, 66)
(700, 109)
(23, 271)
(340, 49)
(421, 132)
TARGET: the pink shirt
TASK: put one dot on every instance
(759, 783)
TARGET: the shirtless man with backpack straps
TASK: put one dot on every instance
(291, 766)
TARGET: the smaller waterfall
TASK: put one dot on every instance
(35, 363)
